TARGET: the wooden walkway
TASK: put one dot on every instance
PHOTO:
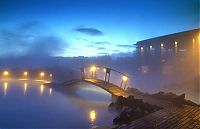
(109, 87)
(186, 117)
(170, 117)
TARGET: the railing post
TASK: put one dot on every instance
(124, 82)
(107, 75)
(82, 73)
(93, 74)
(125, 85)
(121, 84)
(108, 71)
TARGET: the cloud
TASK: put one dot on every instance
(98, 44)
(101, 48)
(24, 40)
(122, 54)
(125, 46)
(103, 53)
(89, 31)
(47, 46)
(116, 51)
(92, 45)
(102, 43)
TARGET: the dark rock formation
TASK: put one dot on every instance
(176, 99)
(168, 96)
(131, 109)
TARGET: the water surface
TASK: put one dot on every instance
(29, 104)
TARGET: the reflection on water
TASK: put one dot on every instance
(5, 89)
(92, 118)
(41, 89)
(50, 91)
(92, 115)
(25, 87)
(51, 107)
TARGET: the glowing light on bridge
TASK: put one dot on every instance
(92, 115)
(125, 78)
(176, 43)
(5, 73)
(93, 68)
(25, 74)
(42, 74)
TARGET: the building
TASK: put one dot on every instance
(170, 63)
(176, 53)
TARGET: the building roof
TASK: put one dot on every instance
(170, 37)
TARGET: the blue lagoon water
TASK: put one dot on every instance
(29, 104)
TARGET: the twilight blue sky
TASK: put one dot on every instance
(89, 27)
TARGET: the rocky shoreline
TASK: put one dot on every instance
(131, 109)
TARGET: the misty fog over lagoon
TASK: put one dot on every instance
(69, 63)
(67, 68)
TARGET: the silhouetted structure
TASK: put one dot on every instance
(176, 53)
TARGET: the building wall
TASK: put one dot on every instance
(174, 58)
(180, 51)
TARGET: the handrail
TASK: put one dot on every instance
(108, 71)
(98, 66)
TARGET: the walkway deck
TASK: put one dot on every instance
(170, 117)
(186, 117)
(109, 87)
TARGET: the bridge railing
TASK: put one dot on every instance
(106, 74)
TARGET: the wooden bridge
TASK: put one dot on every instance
(170, 117)
(100, 76)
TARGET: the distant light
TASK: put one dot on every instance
(5, 73)
(151, 46)
(176, 43)
(50, 75)
(25, 73)
(125, 78)
(93, 68)
(104, 70)
(193, 40)
(141, 48)
(92, 115)
(162, 45)
(42, 74)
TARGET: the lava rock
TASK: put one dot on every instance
(131, 109)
